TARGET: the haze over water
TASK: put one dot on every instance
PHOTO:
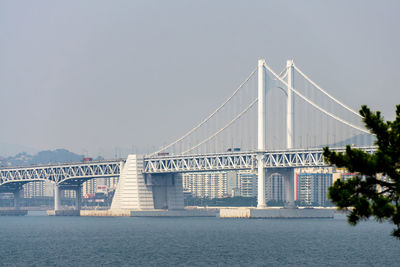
(90, 241)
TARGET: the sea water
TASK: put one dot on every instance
(38, 240)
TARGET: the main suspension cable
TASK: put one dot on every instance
(208, 118)
(326, 93)
(315, 105)
(223, 128)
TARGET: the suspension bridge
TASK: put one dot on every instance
(272, 123)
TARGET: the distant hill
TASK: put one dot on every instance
(7, 150)
(42, 157)
(357, 140)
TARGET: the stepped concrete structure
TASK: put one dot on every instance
(132, 191)
(138, 191)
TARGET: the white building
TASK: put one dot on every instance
(248, 184)
(312, 188)
(206, 184)
(220, 184)
(38, 189)
(274, 188)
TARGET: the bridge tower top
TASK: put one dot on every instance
(290, 104)
(261, 105)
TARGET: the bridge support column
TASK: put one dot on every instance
(16, 199)
(167, 191)
(288, 183)
(57, 197)
(175, 193)
(260, 182)
(78, 198)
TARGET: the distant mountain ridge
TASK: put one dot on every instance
(42, 157)
(357, 140)
(7, 150)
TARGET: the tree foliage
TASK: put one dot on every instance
(366, 195)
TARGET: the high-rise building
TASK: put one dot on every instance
(38, 189)
(89, 187)
(68, 194)
(206, 184)
(312, 188)
(274, 188)
(233, 184)
(111, 183)
(346, 176)
(248, 184)
(221, 184)
(342, 174)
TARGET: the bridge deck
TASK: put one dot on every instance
(60, 173)
(240, 160)
(77, 172)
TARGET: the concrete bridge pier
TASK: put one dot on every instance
(140, 191)
(167, 191)
(58, 210)
(16, 210)
(78, 197)
(16, 199)
(288, 183)
(57, 197)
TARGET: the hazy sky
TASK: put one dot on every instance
(93, 76)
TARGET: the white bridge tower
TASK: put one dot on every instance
(288, 175)
(261, 134)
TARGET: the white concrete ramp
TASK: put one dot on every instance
(138, 191)
(132, 192)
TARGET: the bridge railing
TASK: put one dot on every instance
(62, 164)
(76, 172)
(240, 160)
(61, 173)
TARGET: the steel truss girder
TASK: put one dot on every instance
(207, 162)
(240, 160)
(68, 172)
(61, 173)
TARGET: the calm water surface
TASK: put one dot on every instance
(89, 241)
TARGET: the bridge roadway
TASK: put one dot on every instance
(12, 178)
(77, 172)
(293, 158)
